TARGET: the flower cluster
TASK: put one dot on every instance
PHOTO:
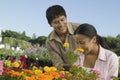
(19, 63)
(71, 56)
(15, 70)
(47, 73)
(50, 73)
(80, 73)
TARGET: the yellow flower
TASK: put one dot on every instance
(15, 64)
(34, 68)
(53, 68)
(38, 72)
(66, 45)
(68, 73)
(62, 72)
(46, 68)
(79, 50)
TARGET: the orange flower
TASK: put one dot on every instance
(14, 73)
(28, 71)
(64, 79)
(44, 77)
(53, 74)
(29, 78)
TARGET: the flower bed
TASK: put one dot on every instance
(24, 67)
(16, 69)
(47, 73)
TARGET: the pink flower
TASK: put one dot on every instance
(114, 77)
(111, 77)
(1, 67)
(62, 76)
(95, 71)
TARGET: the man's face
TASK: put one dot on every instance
(59, 24)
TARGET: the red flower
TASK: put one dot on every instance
(22, 58)
(11, 59)
(23, 61)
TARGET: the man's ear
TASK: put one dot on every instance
(94, 39)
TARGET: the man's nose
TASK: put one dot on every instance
(60, 23)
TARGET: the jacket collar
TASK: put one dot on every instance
(102, 55)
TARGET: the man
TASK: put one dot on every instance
(62, 32)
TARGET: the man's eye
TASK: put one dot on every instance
(56, 22)
(62, 19)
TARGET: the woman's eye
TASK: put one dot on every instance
(81, 42)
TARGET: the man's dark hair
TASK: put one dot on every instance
(54, 11)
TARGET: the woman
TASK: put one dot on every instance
(96, 55)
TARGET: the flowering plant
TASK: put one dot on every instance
(78, 73)
(16, 64)
(71, 57)
(16, 69)
(35, 73)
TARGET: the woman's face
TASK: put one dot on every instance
(60, 24)
(85, 42)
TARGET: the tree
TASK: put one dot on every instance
(13, 34)
(41, 40)
(24, 33)
(34, 36)
(113, 43)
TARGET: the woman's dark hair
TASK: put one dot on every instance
(54, 11)
(90, 31)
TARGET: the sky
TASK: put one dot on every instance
(30, 15)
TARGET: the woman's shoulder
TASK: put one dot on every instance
(107, 53)
(110, 53)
